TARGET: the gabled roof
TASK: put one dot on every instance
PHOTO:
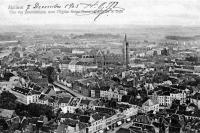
(123, 130)
(65, 61)
(73, 62)
(143, 119)
(150, 102)
(196, 96)
(75, 101)
(43, 97)
(35, 92)
(24, 91)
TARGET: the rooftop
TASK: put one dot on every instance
(64, 100)
(23, 91)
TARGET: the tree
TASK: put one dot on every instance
(7, 100)
(112, 103)
(155, 53)
(3, 125)
(164, 52)
(175, 104)
(192, 59)
(79, 111)
(133, 92)
(36, 110)
(51, 74)
(8, 75)
(17, 54)
(21, 110)
(58, 69)
(125, 98)
(159, 77)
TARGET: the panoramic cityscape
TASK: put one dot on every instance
(60, 81)
(86, 66)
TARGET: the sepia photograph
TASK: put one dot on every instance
(99, 66)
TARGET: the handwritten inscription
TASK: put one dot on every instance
(80, 9)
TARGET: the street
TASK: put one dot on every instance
(71, 91)
(124, 125)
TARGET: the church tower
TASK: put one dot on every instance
(125, 52)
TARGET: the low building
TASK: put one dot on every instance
(85, 104)
(25, 95)
(150, 105)
(72, 105)
(111, 93)
(196, 99)
(64, 65)
(62, 102)
(5, 86)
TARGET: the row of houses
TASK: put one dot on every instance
(77, 66)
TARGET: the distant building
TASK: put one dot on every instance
(78, 51)
(79, 66)
(103, 59)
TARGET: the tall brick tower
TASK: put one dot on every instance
(125, 52)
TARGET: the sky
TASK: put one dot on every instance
(137, 12)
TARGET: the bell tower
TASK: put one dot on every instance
(125, 52)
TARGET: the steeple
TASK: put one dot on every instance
(125, 40)
(125, 52)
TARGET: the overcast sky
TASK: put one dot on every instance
(137, 12)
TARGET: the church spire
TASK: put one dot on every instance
(125, 52)
(125, 38)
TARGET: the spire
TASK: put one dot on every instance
(125, 38)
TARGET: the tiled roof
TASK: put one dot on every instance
(85, 101)
(105, 110)
(80, 63)
(64, 100)
(65, 61)
(21, 90)
(70, 115)
(35, 92)
(42, 97)
(37, 88)
(84, 119)
(166, 93)
(97, 116)
(123, 130)
(74, 101)
(150, 102)
(143, 119)
(136, 129)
